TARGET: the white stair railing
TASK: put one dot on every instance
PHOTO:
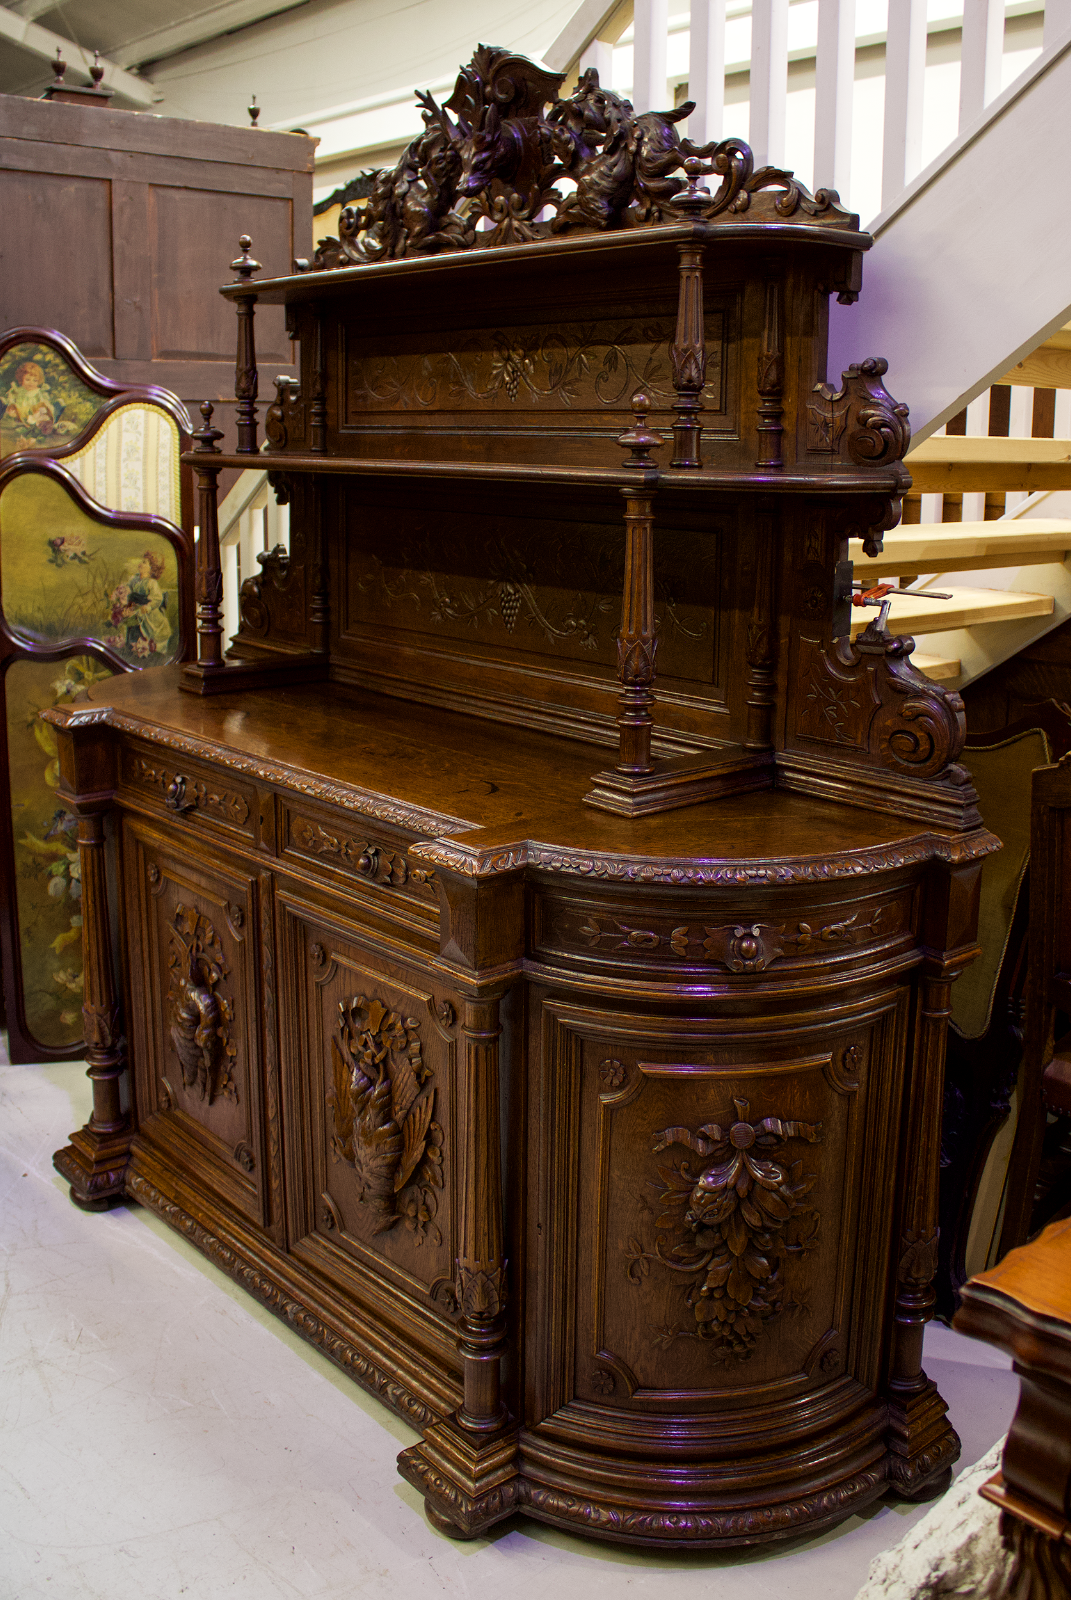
(250, 524)
(745, 66)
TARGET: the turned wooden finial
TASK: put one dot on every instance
(253, 109)
(96, 71)
(694, 198)
(206, 435)
(59, 67)
(245, 266)
(639, 439)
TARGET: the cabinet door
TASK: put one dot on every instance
(369, 1047)
(714, 1205)
(195, 1012)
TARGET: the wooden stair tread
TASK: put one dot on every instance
(958, 464)
(969, 448)
(965, 546)
(966, 608)
(938, 667)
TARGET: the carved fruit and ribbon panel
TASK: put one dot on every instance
(382, 1108)
(717, 1260)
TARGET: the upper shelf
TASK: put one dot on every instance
(894, 480)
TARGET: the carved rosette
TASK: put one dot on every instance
(382, 1108)
(731, 1228)
(200, 1015)
(494, 152)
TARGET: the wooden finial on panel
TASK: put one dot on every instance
(206, 435)
(639, 440)
(245, 266)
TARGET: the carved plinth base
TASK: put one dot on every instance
(681, 781)
(95, 1165)
(468, 1482)
(923, 1446)
(233, 676)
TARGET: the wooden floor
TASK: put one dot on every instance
(164, 1436)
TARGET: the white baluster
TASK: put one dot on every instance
(651, 26)
(834, 91)
(229, 553)
(905, 71)
(600, 55)
(769, 81)
(706, 70)
(980, 57)
(1057, 21)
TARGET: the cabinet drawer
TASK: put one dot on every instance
(346, 847)
(191, 789)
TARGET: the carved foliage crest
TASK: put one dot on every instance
(382, 1107)
(496, 149)
(199, 1014)
(729, 1228)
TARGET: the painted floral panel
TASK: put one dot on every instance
(47, 881)
(65, 576)
(45, 403)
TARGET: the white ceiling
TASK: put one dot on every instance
(130, 34)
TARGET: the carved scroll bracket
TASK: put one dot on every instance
(868, 699)
(861, 424)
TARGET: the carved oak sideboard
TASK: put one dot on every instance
(564, 1061)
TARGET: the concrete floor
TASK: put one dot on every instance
(161, 1435)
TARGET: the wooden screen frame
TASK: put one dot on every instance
(23, 1047)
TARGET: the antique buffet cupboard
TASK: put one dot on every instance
(557, 1045)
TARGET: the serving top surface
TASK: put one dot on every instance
(495, 797)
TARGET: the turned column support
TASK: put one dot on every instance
(246, 381)
(94, 1163)
(922, 1444)
(466, 1465)
(762, 639)
(689, 356)
(771, 379)
(481, 1267)
(636, 643)
(318, 392)
(209, 585)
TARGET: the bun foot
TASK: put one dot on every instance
(920, 1492)
(103, 1203)
(441, 1524)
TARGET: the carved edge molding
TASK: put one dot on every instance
(393, 1393)
(677, 1527)
(925, 847)
(363, 802)
(473, 863)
